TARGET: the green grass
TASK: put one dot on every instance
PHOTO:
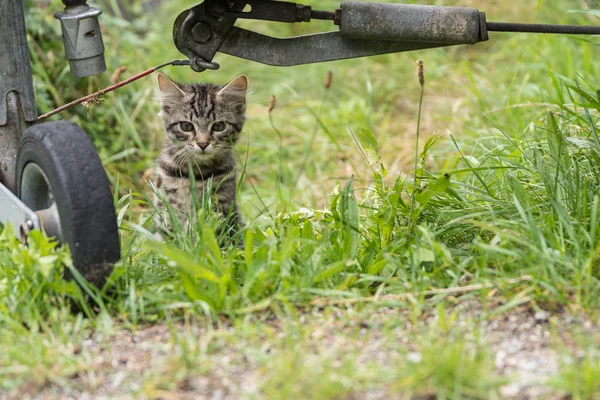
(580, 377)
(505, 197)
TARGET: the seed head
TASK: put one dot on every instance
(92, 101)
(116, 76)
(420, 73)
(272, 103)
(328, 79)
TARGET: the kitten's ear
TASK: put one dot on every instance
(236, 88)
(170, 92)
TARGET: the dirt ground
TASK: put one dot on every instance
(523, 344)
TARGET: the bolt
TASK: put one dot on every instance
(24, 230)
(303, 13)
(201, 33)
(337, 20)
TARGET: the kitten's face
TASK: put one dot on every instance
(201, 121)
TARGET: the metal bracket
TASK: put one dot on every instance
(13, 210)
(82, 39)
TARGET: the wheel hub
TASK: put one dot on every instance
(37, 194)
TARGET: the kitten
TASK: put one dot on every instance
(202, 122)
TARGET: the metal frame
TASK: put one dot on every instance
(17, 101)
(17, 110)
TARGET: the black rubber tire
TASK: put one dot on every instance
(81, 192)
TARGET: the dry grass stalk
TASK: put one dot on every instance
(431, 292)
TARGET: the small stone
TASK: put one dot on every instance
(541, 316)
(414, 357)
(511, 390)
(500, 359)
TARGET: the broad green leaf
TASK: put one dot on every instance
(249, 245)
(210, 242)
(369, 144)
(350, 219)
(185, 262)
(376, 267)
(46, 264)
(432, 189)
(260, 306)
(519, 191)
(8, 236)
(330, 270)
(308, 230)
(428, 145)
(191, 289)
(333, 203)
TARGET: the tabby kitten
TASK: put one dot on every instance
(202, 123)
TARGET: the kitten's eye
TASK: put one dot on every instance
(186, 126)
(218, 126)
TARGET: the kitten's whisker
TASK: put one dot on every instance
(185, 159)
(178, 152)
(175, 159)
(229, 162)
(180, 157)
(222, 158)
(181, 153)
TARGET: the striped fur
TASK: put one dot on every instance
(202, 123)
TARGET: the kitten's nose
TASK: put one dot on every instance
(203, 145)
